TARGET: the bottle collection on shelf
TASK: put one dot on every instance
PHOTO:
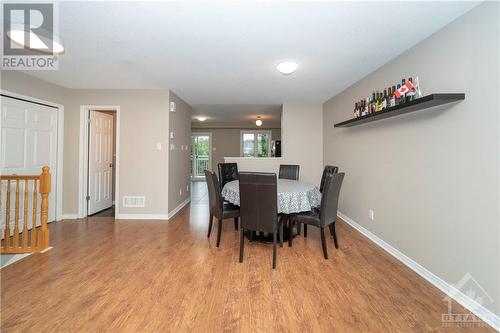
(403, 92)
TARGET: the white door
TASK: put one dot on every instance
(28, 142)
(100, 185)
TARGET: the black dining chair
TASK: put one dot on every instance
(328, 170)
(259, 207)
(327, 213)
(288, 171)
(227, 173)
(218, 208)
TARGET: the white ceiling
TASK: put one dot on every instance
(225, 53)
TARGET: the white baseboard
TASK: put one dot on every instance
(141, 216)
(178, 208)
(47, 249)
(486, 315)
(12, 258)
(70, 216)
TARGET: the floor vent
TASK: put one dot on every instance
(134, 201)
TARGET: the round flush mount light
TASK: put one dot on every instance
(287, 67)
(37, 43)
(202, 118)
(258, 122)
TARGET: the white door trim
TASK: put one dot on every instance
(60, 145)
(83, 156)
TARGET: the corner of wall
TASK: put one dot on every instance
(178, 169)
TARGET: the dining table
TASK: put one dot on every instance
(293, 197)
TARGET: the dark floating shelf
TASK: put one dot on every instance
(422, 103)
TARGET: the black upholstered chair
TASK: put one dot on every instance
(259, 207)
(227, 173)
(328, 170)
(288, 171)
(218, 208)
(326, 215)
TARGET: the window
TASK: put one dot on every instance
(255, 143)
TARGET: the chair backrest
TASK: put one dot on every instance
(258, 201)
(214, 194)
(330, 198)
(227, 173)
(328, 170)
(288, 171)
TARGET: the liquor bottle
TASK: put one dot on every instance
(410, 95)
(384, 99)
(402, 99)
(397, 99)
(419, 92)
(393, 97)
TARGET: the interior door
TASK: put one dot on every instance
(100, 180)
(28, 142)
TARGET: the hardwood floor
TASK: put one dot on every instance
(158, 276)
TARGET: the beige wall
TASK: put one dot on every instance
(179, 168)
(431, 177)
(144, 122)
(302, 138)
(226, 142)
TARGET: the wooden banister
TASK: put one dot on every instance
(44, 216)
(36, 239)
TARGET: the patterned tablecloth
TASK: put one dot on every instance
(293, 196)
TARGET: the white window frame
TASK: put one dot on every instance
(210, 151)
(255, 144)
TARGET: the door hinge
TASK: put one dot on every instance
(88, 197)
(89, 121)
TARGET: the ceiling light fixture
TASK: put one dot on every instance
(202, 118)
(287, 67)
(37, 43)
(258, 122)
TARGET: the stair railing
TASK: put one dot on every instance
(28, 238)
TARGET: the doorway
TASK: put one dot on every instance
(99, 161)
(201, 155)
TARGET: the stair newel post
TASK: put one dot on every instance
(43, 240)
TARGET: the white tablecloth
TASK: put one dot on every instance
(293, 196)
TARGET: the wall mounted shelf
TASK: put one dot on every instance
(422, 103)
